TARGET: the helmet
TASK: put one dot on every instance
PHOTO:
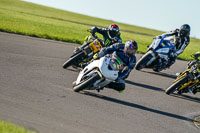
(184, 30)
(198, 64)
(197, 56)
(113, 30)
(130, 47)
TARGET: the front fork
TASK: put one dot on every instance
(152, 59)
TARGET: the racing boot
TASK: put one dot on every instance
(158, 68)
(170, 63)
(99, 89)
(118, 85)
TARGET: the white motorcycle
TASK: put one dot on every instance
(97, 74)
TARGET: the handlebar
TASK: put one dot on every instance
(93, 35)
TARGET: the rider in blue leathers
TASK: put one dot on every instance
(126, 54)
(181, 41)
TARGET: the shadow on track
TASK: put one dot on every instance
(161, 74)
(125, 103)
(144, 86)
(182, 96)
(186, 97)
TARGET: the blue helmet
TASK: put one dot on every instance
(130, 47)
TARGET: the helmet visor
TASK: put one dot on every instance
(113, 33)
(183, 33)
(130, 51)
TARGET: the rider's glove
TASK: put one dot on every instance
(158, 37)
(95, 56)
(93, 30)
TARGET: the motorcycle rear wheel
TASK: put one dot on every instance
(175, 85)
(86, 83)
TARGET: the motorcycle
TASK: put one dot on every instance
(85, 52)
(187, 80)
(97, 74)
(157, 56)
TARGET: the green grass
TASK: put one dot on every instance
(10, 128)
(40, 21)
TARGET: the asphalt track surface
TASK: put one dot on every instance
(36, 93)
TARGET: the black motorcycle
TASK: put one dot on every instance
(85, 52)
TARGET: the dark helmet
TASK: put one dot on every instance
(113, 30)
(184, 30)
(130, 47)
(196, 55)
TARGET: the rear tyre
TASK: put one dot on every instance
(141, 63)
(73, 60)
(86, 83)
(175, 85)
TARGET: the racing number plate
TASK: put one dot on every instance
(96, 45)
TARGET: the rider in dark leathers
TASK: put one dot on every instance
(181, 41)
(111, 34)
(126, 53)
(196, 62)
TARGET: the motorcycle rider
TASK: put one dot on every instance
(197, 62)
(111, 34)
(126, 54)
(181, 41)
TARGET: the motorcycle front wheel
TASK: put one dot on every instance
(73, 60)
(175, 85)
(87, 82)
(142, 62)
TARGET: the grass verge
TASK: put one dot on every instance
(6, 127)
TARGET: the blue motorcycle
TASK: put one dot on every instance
(158, 55)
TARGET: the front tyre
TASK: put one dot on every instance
(86, 83)
(175, 85)
(142, 62)
(73, 60)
